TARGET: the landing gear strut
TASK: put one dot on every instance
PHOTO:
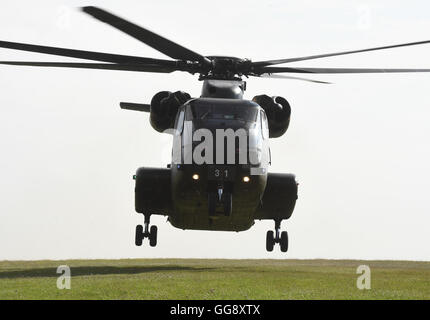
(220, 198)
(227, 201)
(150, 233)
(277, 237)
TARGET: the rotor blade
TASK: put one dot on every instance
(150, 38)
(103, 66)
(136, 106)
(279, 61)
(81, 54)
(271, 70)
(280, 76)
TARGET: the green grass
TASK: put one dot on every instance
(214, 279)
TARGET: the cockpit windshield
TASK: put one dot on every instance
(224, 112)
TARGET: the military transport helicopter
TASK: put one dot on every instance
(216, 196)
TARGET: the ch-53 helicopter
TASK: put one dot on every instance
(231, 187)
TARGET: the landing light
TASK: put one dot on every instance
(196, 176)
(246, 179)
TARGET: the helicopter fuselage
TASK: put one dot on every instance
(218, 178)
(242, 174)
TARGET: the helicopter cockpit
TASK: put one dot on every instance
(224, 112)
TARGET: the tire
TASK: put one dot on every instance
(228, 203)
(153, 236)
(212, 201)
(284, 241)
(139, 235)
(270, 241)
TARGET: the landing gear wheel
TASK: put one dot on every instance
(139, 235)
(153, 236)
(277, 236)
(212, 201)
(146, 232)
(227, 200)
(270, 241)
(283, 242)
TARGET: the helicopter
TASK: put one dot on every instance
(218, 178)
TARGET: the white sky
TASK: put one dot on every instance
(359, 147)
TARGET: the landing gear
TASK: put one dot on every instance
(139, 235)
(277, 237)
(150, 233)
(153, 236)
(212, 202)
(270, 241)
(283, 241)
(224, 199)
(227, 201)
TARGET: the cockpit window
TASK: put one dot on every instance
(264, 125)
(180, 121)
(224, 112)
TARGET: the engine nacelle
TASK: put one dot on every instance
(278, 113)
(164, 107)
(279, 198)
(153, 191)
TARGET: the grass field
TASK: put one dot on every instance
(214, 279)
